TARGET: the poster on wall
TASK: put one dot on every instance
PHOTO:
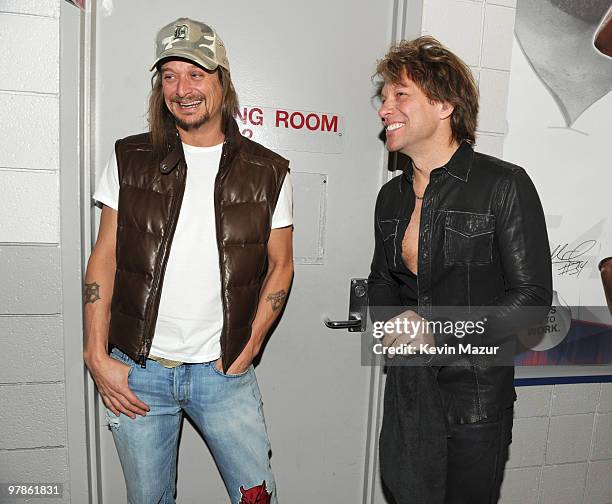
(559, 129)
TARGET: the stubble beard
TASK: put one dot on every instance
(186, 126)
(198, 122)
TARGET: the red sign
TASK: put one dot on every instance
(292, 129)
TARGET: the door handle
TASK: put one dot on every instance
(358, 305)
(352, 324)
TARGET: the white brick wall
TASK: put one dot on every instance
(569, 438)
(563, 484)
(521, 485)
(598, 483)
(457, 24)
(32, 391)
(562, 438)
(35, 418)
(34, 43)
(25, 194)
(33, 131)
(561, 451)
(496, 51)
(17, 466)
(480, 32)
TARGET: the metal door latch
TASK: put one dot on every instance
(358, 306)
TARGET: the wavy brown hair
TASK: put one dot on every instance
(161, 122)
(442, 77)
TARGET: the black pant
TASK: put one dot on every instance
(477, 455)
(424, 461)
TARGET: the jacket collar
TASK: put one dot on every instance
(458, 166)
(233, 138)
(175, 154)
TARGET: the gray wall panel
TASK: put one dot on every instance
(30, 280)
(36, 466)
(35, 347)
(36, 417)
(48, 465)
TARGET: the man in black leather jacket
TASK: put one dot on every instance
(459, 229)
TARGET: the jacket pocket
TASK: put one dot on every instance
(468, 238)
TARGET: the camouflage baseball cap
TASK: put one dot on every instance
(192, 40)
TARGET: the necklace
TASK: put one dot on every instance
(419, 198)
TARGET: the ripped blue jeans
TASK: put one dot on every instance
(227, 409)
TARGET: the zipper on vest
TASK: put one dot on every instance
(217, 205)
(142, 357)
(161, 264)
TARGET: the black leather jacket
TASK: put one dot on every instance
(482, 242)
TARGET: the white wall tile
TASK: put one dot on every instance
(563, 484)
(520, 486)
(37, 7)
(29, 60)
(602, 442)
(32, 201)
(36, 349)
(35, 418)
(569, 438)
(528, 442)
(599, 483)
(573, 398)
(490, 144)
(532, 401)
(493, 88)
(605, 401)
(30, 138)
(457, 24)
(497, 38)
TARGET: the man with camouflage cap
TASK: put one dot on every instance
(195, 208)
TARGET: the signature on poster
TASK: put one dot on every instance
(569, 259)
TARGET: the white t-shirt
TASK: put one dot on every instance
(190, 316)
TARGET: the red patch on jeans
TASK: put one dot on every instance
(255, 495)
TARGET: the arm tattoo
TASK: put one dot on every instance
(277, 299)
(91, 293)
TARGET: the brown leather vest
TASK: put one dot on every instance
(247, 186)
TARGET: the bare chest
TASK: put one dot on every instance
(410, 241)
